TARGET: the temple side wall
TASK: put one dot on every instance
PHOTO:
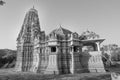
(52, 67)
(43, 57)
(35, 62)
(77, 64)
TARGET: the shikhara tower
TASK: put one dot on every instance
(28, 43)
(60, 52)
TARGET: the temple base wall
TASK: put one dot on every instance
(95, 62)
(92, 62)
(52, 67)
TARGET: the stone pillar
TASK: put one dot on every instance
(23, 59)
(98, 46)
(72, 61)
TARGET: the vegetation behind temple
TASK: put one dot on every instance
(113, 50)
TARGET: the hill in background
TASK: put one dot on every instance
(7, 58)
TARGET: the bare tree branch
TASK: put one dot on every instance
(2, 3)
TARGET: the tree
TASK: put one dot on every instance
(113, 51)
(89, 35)
(2, 2)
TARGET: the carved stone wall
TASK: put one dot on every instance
(92, 62)
(95, 63)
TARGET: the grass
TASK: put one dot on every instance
(10, 74)
(52, 77)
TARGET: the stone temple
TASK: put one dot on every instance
(60, 52)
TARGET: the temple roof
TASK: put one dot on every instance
(61, 31)
(92, 41)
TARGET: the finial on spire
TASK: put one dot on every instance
(33, 9)
(60, 25)
(33, 6)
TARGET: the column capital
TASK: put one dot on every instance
(97, 42)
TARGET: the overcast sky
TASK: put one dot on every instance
(100, 16)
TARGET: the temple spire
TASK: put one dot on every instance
(30, 32)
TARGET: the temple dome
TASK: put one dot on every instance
(61, 31)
